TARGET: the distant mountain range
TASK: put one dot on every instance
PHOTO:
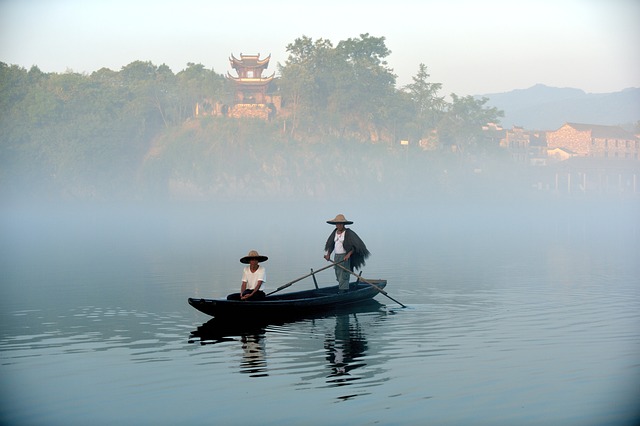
(547, 108)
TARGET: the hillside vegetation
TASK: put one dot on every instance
(133, 134)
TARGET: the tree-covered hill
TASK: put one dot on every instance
(134, 134)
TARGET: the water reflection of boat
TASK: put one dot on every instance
(223, 329)
(251, 335)
(345, 347)
(217, 331)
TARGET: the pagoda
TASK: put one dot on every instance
(250, 86)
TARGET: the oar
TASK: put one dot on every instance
(301, 278)
(371, 284)
(313, 275)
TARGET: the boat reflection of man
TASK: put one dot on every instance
(254, 359)
(347, 345)
(348, 249)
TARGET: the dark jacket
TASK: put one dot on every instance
(351, 242)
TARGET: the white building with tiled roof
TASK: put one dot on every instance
(591, 140)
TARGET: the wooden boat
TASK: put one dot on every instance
(294, 304)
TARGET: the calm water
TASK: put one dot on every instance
(516, 315)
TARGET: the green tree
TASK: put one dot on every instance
(341, 91)
(462, 122)
(150, 91)
(197, 86)
(429, 106)
(306, 82)
(364, 87)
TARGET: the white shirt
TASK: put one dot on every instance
(252, 278)
(339, 240)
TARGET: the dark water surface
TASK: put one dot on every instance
(521, 315)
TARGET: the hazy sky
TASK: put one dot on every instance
(470, 46)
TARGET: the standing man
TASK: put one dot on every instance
(347, 247)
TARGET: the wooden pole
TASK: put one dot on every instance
(303, 277)
(313, 275)
(371, 284)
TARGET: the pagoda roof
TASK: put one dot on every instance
(249, 61)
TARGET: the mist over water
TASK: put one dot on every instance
(205, 233)
(521, 310)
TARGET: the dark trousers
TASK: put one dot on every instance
(259, 295)
(342, 276)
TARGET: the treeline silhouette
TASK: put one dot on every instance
(134, 134)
